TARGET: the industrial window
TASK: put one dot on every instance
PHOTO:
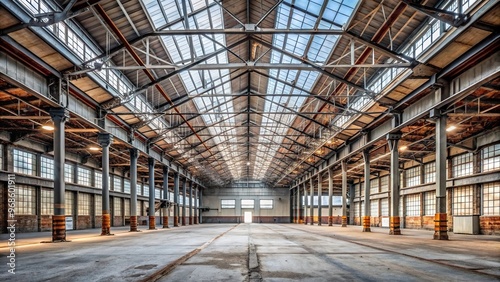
(227, 204)
(47, 201)
(138, 208)
(98, 204)
(83, 176)
(362, 189)
(145, 206)
(361, 206)
(98, 179)
(357, 190)
(181, 199)
(412, 176)
(401, 207)
(84, 204)
(68, 173)
(384, 183)
(126, 186)
(463, 200)
(430, 203)
(171, 196)
(117, 203)
(24, 162)
(430, 172)
(384, 207)
(356, 209)
(462, 165)
(491, 198)
(46, 167)
(139, 188)
(491, 158)
(266, 204)
(117, 206)
(374, 186)
(145, 191)
(117, 183)
(126, 207)
(413, 205)
(247, 204)
(374, 208)
(25, 200)
(157, 193)
(69, 198)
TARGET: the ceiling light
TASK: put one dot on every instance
(49, 125)
(451, 128)
(402, 148)
(248, 163)
(329, 142)
(93, 148)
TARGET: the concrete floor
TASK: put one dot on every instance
(253, 252)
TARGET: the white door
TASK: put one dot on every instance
(248, 217)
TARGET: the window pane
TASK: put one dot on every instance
(25, 200)
(24, 162)
(247, 204)
(266, 204)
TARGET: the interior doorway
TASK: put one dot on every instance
(248, 217)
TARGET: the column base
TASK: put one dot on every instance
(394, 227)
(190, 220)
(106, 224)
(319, 220)
(311, 220)
(165, 222)
(441, 226)
(58, 228)
(366, 224)
(152, 223)
(133, 223)
(183, 219)
(176, 221)
(344, 221)
(330, 221)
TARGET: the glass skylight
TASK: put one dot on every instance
(169, 15)
(315, 48)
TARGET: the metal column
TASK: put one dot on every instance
(183, 218)
(366, 206)
(344, 194)
(105, 140)
(311, 215)
(330, 197)
(299, 205)
(134, 154)
(176, 199)
(201, 198)
(394, 224)
(441, 218)
(152, 206)
(165, 196)
(191, 203)
(59, 117)
(196, 205)
(320, 200)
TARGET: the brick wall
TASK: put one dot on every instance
(489, 225)
(413, 222)
(117, 221)
(84, 222)
(46, 223)
(375, 221)
(98, 221)
(3, 207)
(428, 222)
(26, 223)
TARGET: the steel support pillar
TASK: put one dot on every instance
(152, 206)
(330, 197)
(320, 200)
(59, 117)
(134, 154)
(394, 224)
(176, 199)
(311, 196)
(105, 140)
(344, 193)
(305, 203)
(191, 203)
(366, 205)
(441, 218)
(196, 205)
(201, 202)
(165, 196)
(299, 205)
(183, 218)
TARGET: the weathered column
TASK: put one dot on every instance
(134, 154)
(191, 203)
(330, 197)
(105, 140)
(311, 187)
(165, 196)
(366, 218)
(320, 200)
(152, 206)
(176, 199)
(299, 204)
(59, 117)
(344, 193)
(394, 224)
(441, 218)
(183, 218)
(196, 205)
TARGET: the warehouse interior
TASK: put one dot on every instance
(368, 118)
